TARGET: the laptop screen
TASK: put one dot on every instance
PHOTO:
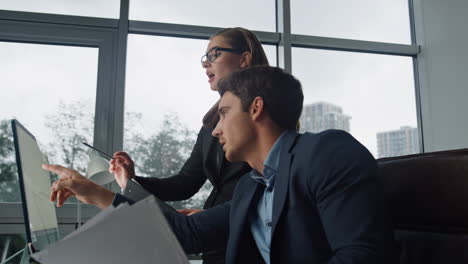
(39, 212)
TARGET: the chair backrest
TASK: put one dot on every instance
(428, 199)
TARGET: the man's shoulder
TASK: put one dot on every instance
(324, 155)
(332, 144)
(324, 139)
(326, 134)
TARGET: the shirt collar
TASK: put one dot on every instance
(272, 160)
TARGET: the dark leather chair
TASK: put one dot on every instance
(428, 199)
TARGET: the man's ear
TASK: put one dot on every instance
(246, 60)
(257, 108)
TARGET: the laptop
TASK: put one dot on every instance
(40, 218)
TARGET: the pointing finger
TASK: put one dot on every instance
(61, 171)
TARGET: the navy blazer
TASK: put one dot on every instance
(327, 208)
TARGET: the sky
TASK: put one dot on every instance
(164, 74)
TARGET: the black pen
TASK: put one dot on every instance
(100, 151)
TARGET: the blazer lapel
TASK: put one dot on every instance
(281, 189)
(240, 212)
(282, 179)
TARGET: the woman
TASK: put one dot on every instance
(229, 50)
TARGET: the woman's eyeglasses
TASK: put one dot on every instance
(213, 54)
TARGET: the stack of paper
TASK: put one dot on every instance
(127, 234)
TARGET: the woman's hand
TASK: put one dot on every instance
(190, 211)
(72, 183)
(122, 167)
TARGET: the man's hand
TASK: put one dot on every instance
(189, 211)
(72, 183)
(122, 167)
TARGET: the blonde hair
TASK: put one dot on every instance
(244, 40)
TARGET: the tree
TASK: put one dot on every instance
(159, 155)
(9, 189)
(71, 125)
(163, 154)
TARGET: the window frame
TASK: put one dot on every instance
(33, 28)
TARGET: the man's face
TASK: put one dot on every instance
(235, 128)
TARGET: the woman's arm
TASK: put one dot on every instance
(184, 184)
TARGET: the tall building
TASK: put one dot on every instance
(320, 116)
(403, 141)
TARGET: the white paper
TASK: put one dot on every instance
(98, 169)
(127, 234)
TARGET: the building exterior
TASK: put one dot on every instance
(320, 116)
(403, 141)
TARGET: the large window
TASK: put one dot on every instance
(371, 96)
(52, 92)
(383, 21)
(90, 8)
(255, 15)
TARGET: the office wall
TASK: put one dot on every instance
(442, 32)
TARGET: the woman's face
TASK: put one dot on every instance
(225, 63)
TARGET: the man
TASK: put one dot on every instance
(310, 198)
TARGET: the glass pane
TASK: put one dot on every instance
(51, 90)
(9, 245)
(167, 95)
(254, 15)
(383, 21)
(90, 8)
(364, 94)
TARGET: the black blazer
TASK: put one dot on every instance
(206, 161)
(327, 208)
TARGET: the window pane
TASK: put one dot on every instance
(9, 245)
(167, 95)
(364, 94)
(383, 21)
(51, 90)
(90, 8)
(254, 15)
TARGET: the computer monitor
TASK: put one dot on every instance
(40, 218)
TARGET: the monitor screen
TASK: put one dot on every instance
(39, 212)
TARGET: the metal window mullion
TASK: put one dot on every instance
(110, 97)
(118, 94)
(105, 80)
(11, 216)
(417, 84)
(67, 35)
(283, 26)
(58, 19)
(189, 31)
(315, 42)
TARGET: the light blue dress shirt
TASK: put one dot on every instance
(261, 218)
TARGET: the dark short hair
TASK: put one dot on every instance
(280, 91)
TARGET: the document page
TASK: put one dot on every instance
(127, 234)
(98, 169)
